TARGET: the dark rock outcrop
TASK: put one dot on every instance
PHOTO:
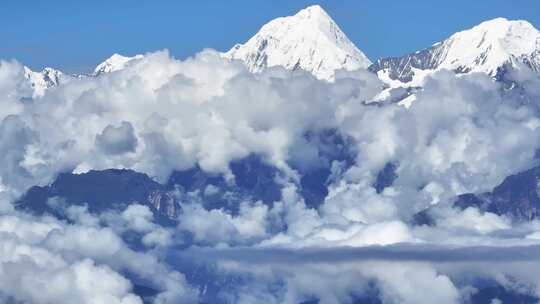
(112, 189)
(518, 197)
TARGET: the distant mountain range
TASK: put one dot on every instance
(310, 40)
(115, 189)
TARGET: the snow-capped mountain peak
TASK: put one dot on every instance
(114, 63)
(491, 44)
(489, 47)
(41, 81)
(49, 77)
(309, 40)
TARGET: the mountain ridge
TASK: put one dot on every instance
(310, 40)
(487, 47)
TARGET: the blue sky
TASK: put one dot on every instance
(76, 35)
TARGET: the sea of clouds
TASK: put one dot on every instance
(462, 134)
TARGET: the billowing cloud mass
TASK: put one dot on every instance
(159, 114)
(48, 261)
(117, 140)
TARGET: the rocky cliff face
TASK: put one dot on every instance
(164, 204)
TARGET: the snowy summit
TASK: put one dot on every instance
(492, 44)
(115, 63)
(489, 47)
(309, 40)
(44, 80)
